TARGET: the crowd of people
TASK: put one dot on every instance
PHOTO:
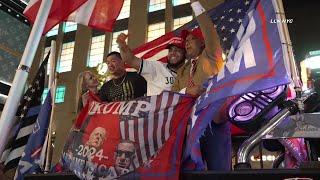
(192, 59)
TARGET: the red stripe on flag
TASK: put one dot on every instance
(155, 122)
(154, 43)
(126, 129)
(154, 51)
(59, 11)
(136, 140)
(265, 35)
(36, 152)
(244, 79)
(105, 14)
(145, 135)
(165, 117)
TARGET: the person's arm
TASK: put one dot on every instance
(126, 53)
(211, 38)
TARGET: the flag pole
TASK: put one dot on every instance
(52, 86)
(20, 78)
(292, 62)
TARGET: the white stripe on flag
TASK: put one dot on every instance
(122, 129)
(139, 55)
(141, 139)
(161, 118)
(161, 54)
(83, 14)
(15, 154)
(5, 155)
(153, 101)
(170, 114)
(131, 137)
(25, 131)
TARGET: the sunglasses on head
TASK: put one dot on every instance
(127, 154)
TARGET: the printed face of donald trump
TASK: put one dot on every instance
(97, 137)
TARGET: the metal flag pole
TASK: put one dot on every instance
(292, 63)
(290, 108)
(52, 86)
(20, 78)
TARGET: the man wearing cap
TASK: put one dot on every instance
(159, 76)
(204, 59)
(203, 53)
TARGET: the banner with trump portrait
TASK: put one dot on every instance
(141, 138)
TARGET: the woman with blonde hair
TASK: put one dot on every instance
(87, 89)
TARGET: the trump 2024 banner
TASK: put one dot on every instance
(141, 138)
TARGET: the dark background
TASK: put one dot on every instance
(305, 29)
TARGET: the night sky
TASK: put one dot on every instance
(305, 29)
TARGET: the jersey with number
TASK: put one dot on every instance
(158, 76)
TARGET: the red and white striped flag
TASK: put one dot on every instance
(151, 133)
(156, 49)
(143, 136)
(59, 11)
(98, 14)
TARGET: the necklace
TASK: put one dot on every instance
(121, 81)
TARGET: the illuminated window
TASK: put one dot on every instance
(60, 92)
(46, 51)
(156, 5)
(155, 31)
(179, 2)
(114, 45)
(96, 51)
(125, 11)
(70, 26)
(65, 62)
(181, 21)
(53, 31)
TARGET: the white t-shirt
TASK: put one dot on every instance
(158, 76)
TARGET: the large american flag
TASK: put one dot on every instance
(26, 115)
(257, 60)
(226, 18)
(151, 132)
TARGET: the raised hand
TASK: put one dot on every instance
(121, 39)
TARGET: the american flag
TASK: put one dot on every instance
(156, 125)
(226, 18)
(257, 60)
(26, 115)
(151, 132)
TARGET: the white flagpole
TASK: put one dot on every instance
(52, 86)
(20, 78)
(293, 67)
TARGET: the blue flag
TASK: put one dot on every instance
(29, 162)
(256, 60)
